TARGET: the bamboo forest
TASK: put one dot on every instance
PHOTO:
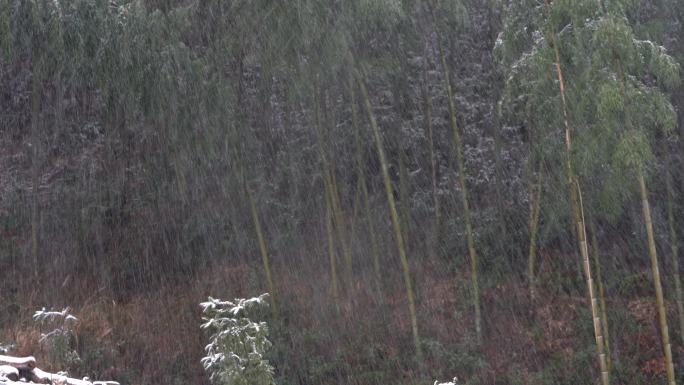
(353, 192)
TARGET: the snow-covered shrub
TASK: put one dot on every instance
(57, 334)
(237, 346)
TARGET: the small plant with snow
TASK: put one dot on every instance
(453, 382)
(237, 346)
(60, 336)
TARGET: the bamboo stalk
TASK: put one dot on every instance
(340, 224)
(577, 212)
(396, 223)
(534, 206)
(601, 292)
(329, 181)
(35, 166)
(433, 161)
(674, 252)
(404, 206)
(470, 240)
(650, 238)
(660, 301)
(362, 181)
(595, 312)
(262, 244)
(331, 247)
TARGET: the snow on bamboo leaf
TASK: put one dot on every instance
(58, 335)
(452, 382)
(236, 352)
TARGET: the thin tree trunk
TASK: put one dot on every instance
(673, 242)
(405, 207)
(355, 212)
(362, 181)
(35, 167)
(660, 301)
(341, 224)
(433, 161)
(263, 250)
(262, 244)
(464, 194)
(331, 247)
(601, 292)
(534, 207)
(499, 175)
(396, 223)
(331, 189)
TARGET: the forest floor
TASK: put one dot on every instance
(154, 337)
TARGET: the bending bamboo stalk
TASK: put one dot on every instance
(535, 207)
(660, 301)
(262, 243)
(673, 242)
(470, 240)
(331, 247)
(577, 212)
(396, 223)
(362, 181)
(601, 292)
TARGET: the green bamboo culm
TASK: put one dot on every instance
(263, 250)
(460, 164)
(36, 96)
(331, 248)
(595, 311)
(577, 213)
(427, 100)
(330, 185)
(674, 252)
(534, 194)
(362, 180)
(645, 206)
(660, 301)
(394, 215)
(329, 197)
(601, 291)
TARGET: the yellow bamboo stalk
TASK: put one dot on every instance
(362, 181)
(35, 166)
(601, 292)
(403, 193)
(331, 247)
(396, 223)
(577, 213)
(262, 244)
(330, 183)
(595, 312)
(534, 208)
(650, 238)
(431, 146)
(660, 301)
(674, 252)
(355, 212)
(470, 240)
